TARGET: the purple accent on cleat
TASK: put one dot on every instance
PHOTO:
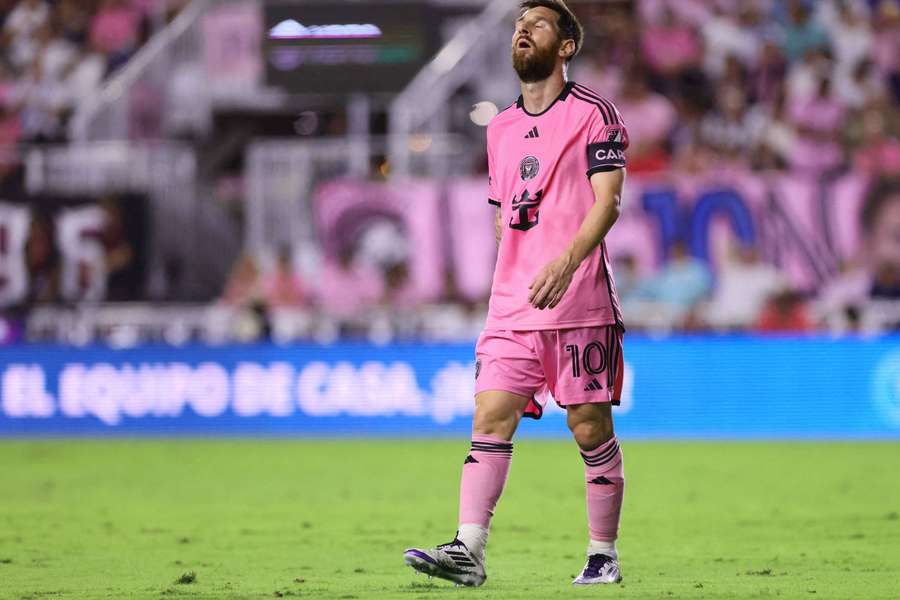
(451, 561)
(420, 554)
(600, 568)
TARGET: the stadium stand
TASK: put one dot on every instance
(252, 239)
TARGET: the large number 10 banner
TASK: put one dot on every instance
(808, 228)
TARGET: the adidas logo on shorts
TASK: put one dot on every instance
(593, 386)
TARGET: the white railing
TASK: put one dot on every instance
(106, 114)
(474, 53)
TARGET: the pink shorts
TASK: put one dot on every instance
(577, 366)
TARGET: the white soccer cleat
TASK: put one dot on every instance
(451, 561)
(600, 568)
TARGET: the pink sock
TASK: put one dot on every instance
(483, 476)
(604, 474)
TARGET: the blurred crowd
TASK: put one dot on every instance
(54, 55)
(810, 86)
(801, 86)
(796, 85)
(363, 293)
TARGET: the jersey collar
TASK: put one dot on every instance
(520, 103)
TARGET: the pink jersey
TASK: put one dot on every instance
(540, 167)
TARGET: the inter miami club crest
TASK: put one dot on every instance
(529, 167)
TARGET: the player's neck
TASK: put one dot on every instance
(538, 95)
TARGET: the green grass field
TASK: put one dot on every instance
(264, 519)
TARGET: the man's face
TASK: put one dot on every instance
(536, 44)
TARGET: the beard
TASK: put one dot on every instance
(536, 65)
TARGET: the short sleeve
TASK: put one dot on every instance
(493, 194)
(607, 140)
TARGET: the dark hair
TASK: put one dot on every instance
(567, 23)
(880, 192)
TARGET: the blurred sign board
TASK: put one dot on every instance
(337, 46)
(693, 387)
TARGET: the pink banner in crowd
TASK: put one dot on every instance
(807, 227)
(397, 221)
(473, 244)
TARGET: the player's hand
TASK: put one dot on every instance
(551, 284)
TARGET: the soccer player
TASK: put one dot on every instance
(557, 165)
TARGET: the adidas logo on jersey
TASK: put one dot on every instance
(593, 386)
(532, 134)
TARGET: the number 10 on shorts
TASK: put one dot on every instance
(592, 358)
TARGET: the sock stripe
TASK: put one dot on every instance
(504, 452)
(490, 447)
(493, 444)
(603, 458)
(608, 454)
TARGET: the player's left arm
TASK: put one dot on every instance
(549, 287)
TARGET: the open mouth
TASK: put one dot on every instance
(523, 44)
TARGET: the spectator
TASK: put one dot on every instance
(668, 297)
(735, 74)
(886, 283)
(38, 100)
(876, 275)
(399, 290)
(819, 123)
(650, 118)
(670, 47)
(878, 150)
(55, 52)
(745, 286)
(776, 144)
(733, 129)
(801, 33)
(42, 262)
(840, 300)
(346, 287)
(283, 287)
(786, 312)
(123, 274)
(243, 288)
(849, 32)
(881, 222)
(769, 73)
(19, 29)
(626, 276)
(83, 77)
(886, 45)
(860, 86)
(115, 28)
(10, 127)
(74, 21)
(803, 77)
(726, 35)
